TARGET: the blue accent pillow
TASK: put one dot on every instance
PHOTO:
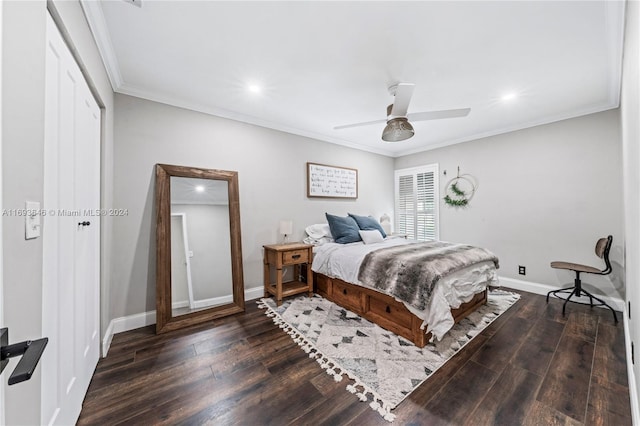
(368, 223)
(343, 229)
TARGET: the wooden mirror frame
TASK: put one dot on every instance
(165, 321)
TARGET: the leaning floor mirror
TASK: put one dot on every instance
(198, 253)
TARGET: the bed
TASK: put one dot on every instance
(372, 279)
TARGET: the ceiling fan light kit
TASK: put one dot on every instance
(397, 129)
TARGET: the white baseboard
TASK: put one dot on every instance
(214, 301)
(106, 340)
(543, 289)
(254, 293)
(178, 305)
(118, 325)
(131, 322)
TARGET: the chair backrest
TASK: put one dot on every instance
(602, 251)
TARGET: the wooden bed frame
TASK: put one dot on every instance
(385, 310)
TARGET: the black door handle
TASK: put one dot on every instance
(31, 352)
(85, 223)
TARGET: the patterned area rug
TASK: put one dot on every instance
(385, 368)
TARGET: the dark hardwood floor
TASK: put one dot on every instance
(532, 366)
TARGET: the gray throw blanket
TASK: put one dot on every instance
(410, 272)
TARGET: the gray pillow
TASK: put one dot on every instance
(368, 223)
(343, 229)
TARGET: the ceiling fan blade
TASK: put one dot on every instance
(436, 115)
(366, 123)
(402, 97)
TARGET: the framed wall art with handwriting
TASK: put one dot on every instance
(325, 181)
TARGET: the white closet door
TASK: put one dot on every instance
(71, 235)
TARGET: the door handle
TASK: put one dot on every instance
(85, 223)
(31, 352)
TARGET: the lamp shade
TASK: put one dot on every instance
(286, 227)
(385, 222)
(397, 129)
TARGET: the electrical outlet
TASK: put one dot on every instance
(522, 270)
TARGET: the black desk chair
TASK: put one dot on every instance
(602, 251)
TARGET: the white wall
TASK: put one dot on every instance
(630, 111)
(271, 169)
(22, 176)
(23, 73)
(544, 193)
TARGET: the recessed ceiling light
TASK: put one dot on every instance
(199, 188)
(509, 96)
(254, 88)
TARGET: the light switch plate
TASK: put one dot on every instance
(32, 220)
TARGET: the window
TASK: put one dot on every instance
(417, 199)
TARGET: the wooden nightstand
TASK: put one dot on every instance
(279, 255)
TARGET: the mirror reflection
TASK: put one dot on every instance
(201, 274)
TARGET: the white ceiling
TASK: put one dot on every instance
(324, 64)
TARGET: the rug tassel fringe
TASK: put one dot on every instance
(383, 410)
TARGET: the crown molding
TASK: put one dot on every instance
(126, 89)
(520, 126)
(615, 12)
(98, 25)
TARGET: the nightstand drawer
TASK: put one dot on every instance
(295, 256)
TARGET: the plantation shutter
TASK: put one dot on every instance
(416, 209)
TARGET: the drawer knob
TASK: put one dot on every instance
(295, 256)
(344, 291)
(388, 309)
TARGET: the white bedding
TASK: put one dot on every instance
(343, 261)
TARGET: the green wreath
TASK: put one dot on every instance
(457, 197)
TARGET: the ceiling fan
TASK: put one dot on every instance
(398, 127)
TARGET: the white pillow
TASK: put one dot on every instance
(370, 237)
(318, 231)
(317, 241)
